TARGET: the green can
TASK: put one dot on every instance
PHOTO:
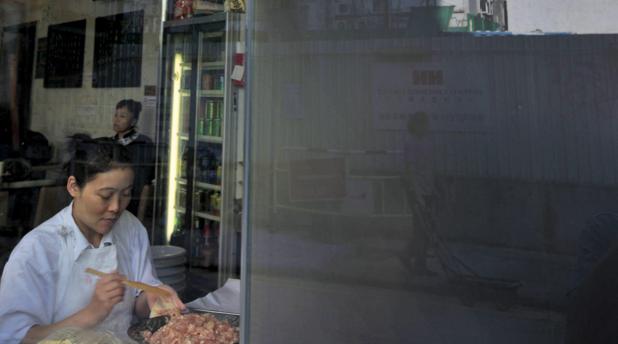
(210, 118)
(200, 125)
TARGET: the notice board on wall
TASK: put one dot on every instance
(65, 54)
(118, 50)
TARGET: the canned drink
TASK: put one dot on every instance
(221, 81)
(220, 113)
(210, 115)
(216, 126)
(200, 125)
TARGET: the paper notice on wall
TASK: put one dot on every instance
(86, 110)
(238, 72)
(453, 91)
(148, 117)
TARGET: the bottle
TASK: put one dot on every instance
(206, 81)
(207, 250)
(184, 163)
(219, 171)
(198, 200)
(198, 241)
(216, 203)
(214, 208)
(221, 81)
(206, 201)
(215, 82)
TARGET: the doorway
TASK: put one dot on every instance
(18, 50)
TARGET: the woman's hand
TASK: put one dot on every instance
(108, 291)
(151, 298)
(146, 301)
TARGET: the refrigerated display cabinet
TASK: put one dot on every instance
(197, 204)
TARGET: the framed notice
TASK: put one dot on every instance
(65, 54)
(118, 50)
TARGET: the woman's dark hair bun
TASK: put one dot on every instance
(89, 156)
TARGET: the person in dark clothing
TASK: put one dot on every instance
(139, 145)
(420, 184)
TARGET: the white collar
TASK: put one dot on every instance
(69, 227)
(130, 137)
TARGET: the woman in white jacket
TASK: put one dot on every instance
(44, 286)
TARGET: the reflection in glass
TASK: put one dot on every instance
(358, 234)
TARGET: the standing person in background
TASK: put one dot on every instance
(139, 145)
(420, 184)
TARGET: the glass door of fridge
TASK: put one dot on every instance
(199, 126)
(175, 132)
(208, 175)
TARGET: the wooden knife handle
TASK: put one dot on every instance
(137, 285)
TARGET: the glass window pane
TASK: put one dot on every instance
(420, 174)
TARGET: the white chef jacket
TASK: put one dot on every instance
(30, 281)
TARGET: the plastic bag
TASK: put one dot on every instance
(71, 335)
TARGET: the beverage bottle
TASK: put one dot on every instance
(219, 171)
(198, 241)
(198, 200)
(207, 252)
(217, 204)
(184, 163)
(221, 81)
(207, 204)
(206, 81)
(214, 208)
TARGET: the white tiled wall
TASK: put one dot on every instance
(59, 112)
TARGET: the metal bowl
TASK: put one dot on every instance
(153, 324)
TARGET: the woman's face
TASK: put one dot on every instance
(123, 120)
(98, 204)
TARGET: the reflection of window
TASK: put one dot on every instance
(486, 7)
(343, 9)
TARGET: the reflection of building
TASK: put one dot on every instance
(416, 16)
(574, 16)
